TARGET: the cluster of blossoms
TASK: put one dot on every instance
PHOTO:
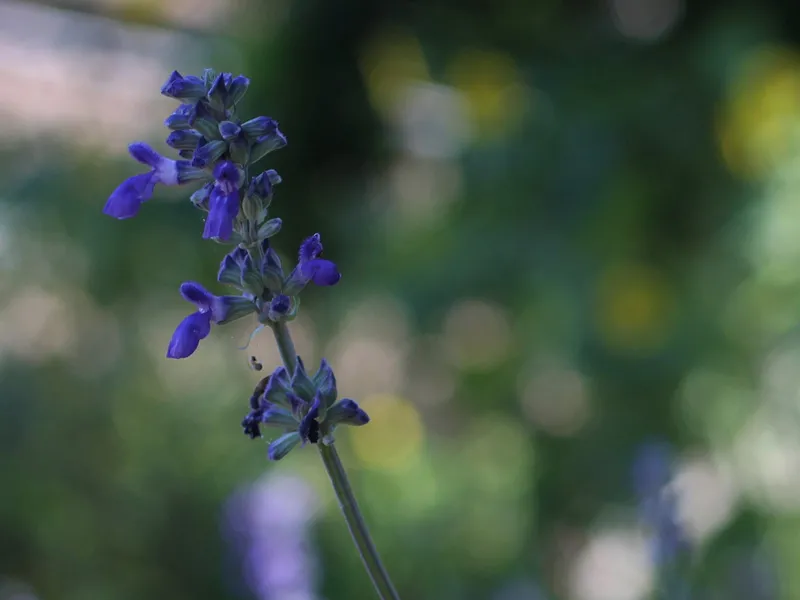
(218, 150)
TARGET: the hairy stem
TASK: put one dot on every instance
(341, 486)
(355, 522)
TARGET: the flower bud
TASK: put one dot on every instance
(236, 90)
(251, 278)
(346, 412)
(271, 271)
(251, 207)
(277, 390)
(325, 382)
(208, 77)
(184, 139)
(218, 93)
(209, 153)
(283, 445)
(259, 127)
(265, 145)
(229, 130)
(180, 118)
(301, 382)
(261, 188)
(269, 228)
(183, 88)
(230, 269)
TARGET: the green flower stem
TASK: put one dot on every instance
(355, 522)
(285, 346)
(341, 486)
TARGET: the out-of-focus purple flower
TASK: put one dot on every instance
(268, 525)
(658, 502)
(126, 200)
(752, 576)
(210, 309)
(224, 202)
(652, 468)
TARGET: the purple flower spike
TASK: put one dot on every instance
(224, 202)
(126, 200)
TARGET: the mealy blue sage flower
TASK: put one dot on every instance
(210, 309)
(304, 407)
(126, 200)
(311, 268)
(223, 202)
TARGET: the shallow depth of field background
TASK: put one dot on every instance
(565, 228)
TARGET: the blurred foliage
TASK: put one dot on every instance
(564, 229)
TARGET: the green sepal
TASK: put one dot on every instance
(277, 389)
(208, 77)
(283, 445)
(208, 127)
(238, 307)
(239, 151)
(301, 382)
(261, 149)
(251, 278)
(325, 382)
(276, 416)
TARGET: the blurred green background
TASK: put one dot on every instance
(565, 228)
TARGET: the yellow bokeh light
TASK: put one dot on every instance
(391, 62)
(394, 436)
(491, 84)
(633, 308)
(755, 126)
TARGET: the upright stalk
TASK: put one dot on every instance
(355, 522)
(341, 486)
